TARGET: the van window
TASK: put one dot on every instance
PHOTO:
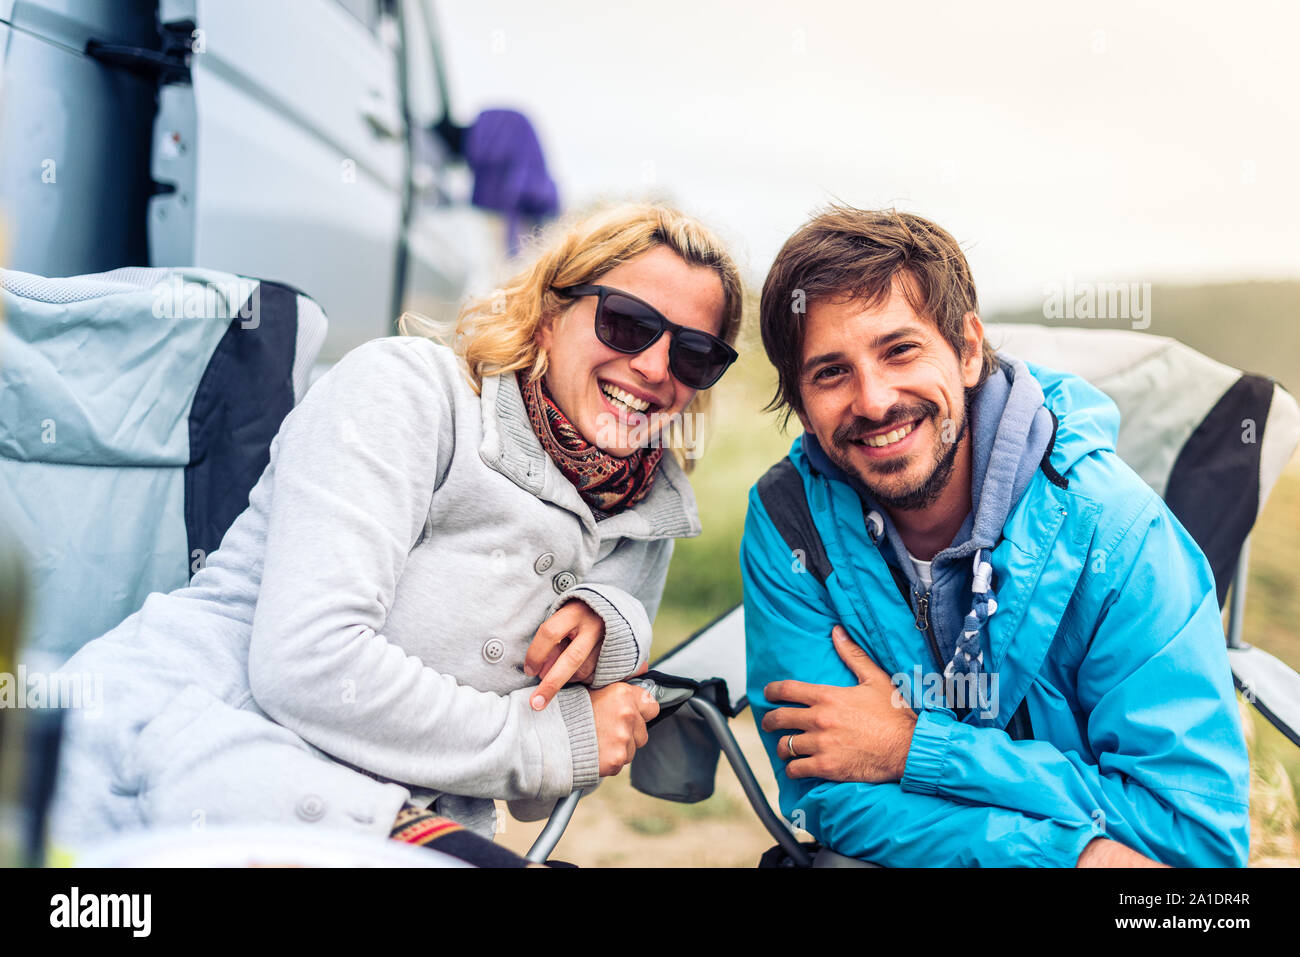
(367, 11)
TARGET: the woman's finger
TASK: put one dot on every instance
(545, 641)
(551, 633)
(587, 634)
(646, 705)
(559, 673)
(551, 659)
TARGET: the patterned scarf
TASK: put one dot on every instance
(606, 482)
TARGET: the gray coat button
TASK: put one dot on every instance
(563, 581)
(494, 650)
(544, 562)
(311, 807)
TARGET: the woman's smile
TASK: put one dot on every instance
(622, 399)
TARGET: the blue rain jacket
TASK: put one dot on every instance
(1108, 628)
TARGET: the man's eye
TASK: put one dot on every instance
(827, 372)
(902, 349)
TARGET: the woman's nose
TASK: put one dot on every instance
(652, 363)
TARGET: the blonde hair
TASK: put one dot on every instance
(497, 333)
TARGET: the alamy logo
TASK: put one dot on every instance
(102, 910)
(683, 430)
(931, 690)
(238, 298)
(1129, 301)
(83, 691)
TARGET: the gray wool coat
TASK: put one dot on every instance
(357, 641)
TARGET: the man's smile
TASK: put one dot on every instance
(888, 438)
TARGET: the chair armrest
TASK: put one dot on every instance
(1271, 685)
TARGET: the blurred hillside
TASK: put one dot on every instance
(1254, 326)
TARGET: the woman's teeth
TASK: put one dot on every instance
(889, 438)
(625, 399)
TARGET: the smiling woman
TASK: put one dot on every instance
(454, 556)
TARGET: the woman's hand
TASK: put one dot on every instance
(565, 648)
(621, 711)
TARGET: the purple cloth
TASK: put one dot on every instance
(510, 174)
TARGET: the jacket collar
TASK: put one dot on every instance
(512, 448)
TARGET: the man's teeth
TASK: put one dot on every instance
(624, 398)
(889, 438)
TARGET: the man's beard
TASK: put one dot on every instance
(925, 494)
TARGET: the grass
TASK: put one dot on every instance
(744, 442)
(1273, 592)
(1274, 800)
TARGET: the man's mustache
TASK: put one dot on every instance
(860, 427)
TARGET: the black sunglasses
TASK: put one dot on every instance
(629, 325)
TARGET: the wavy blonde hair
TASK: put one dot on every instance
(497, 333)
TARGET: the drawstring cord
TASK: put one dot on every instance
(969, 656)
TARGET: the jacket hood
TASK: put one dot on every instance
(1086, 419)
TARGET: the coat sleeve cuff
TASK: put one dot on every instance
(928, 753)
(580, 722)
(620, 652)
(1070, 840)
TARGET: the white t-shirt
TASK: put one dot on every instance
(922, 571)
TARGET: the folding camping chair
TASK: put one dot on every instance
(137, 409)
(1177, 407)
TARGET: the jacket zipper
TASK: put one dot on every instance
(923, 624)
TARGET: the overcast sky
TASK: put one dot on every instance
(1105, 141)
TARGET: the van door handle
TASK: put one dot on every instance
(380, 117)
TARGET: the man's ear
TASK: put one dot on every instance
(973, 355)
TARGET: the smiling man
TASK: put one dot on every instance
(975, 636)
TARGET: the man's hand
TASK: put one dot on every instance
(862, 733)
(1102, 852)
(565, 648)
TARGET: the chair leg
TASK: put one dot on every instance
(736, 758)
(554, 830)
(1237, 601)
(563, 813)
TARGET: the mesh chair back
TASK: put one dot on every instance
(1211, 440)
(136, 412)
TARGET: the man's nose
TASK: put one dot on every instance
(873, 399)
(652, 363)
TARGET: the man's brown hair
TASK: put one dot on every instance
(844, 253)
